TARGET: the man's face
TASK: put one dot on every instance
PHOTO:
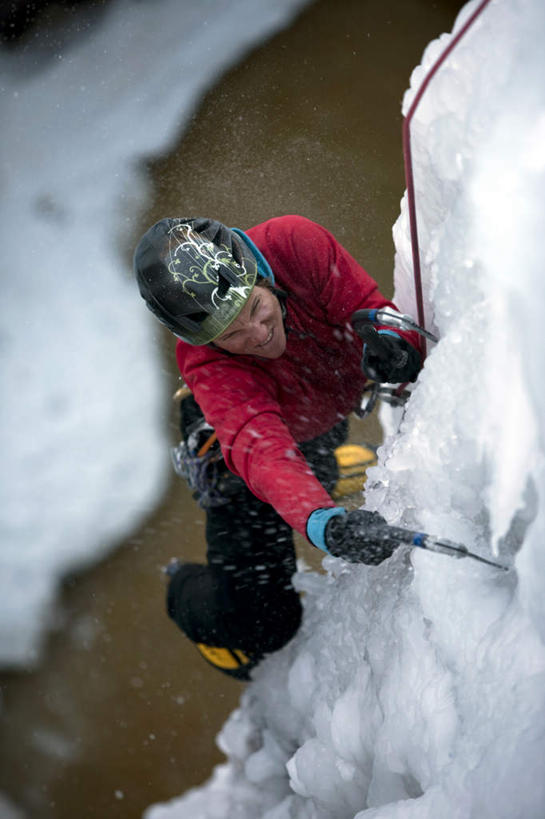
(258, 329)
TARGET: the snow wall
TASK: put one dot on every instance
(84, 448)
(417, 688)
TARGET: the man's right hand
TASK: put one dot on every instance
(360, 537)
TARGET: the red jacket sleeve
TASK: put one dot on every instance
(238, 400)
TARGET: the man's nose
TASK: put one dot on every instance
(259, 332)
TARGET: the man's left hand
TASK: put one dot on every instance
(388, 358)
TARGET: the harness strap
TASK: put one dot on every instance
(207, 444)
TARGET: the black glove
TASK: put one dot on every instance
(360, 537)
(387, 357)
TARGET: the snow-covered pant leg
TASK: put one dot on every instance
(243, 599)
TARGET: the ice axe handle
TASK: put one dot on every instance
(363, 319)
(447, 547)
(389, 318)
(439, 545)
(444, 547)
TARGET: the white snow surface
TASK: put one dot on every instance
(417, 688)
(83, 421)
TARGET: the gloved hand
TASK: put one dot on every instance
(387, 357)
(359, 537)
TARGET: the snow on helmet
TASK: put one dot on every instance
(195, 276)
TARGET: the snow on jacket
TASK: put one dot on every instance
(261, 407)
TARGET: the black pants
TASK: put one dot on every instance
(243, 597)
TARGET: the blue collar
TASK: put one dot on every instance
(263, 267)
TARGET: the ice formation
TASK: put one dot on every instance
(417, 688)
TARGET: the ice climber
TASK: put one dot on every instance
(274, 366)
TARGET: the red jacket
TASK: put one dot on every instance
(261, 407)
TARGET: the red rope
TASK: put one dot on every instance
(409, 178)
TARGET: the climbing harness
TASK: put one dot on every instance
(200, 462)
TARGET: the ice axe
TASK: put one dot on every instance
(364, 537)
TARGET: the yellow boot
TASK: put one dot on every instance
(233, 662)
(353, 461)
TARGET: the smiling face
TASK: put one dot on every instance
(258, 329)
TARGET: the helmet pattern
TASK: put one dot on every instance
(195, 276)
(204, 263)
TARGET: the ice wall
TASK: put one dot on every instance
(84, 458)
(416, 688)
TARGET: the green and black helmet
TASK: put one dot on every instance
(195, 275)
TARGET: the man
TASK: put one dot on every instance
(268, 350)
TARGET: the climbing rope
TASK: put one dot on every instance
(409, 176)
